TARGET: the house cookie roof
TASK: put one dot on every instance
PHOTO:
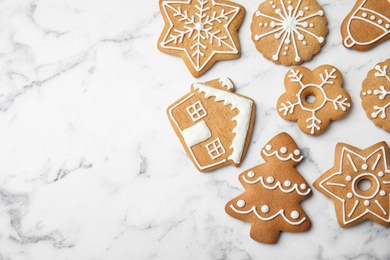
(244, 106)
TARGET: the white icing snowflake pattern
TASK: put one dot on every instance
(313, 122)
(196, 26)
(381, 92)
(290, 25)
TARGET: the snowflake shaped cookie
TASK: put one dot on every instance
(313, 98)
(289, 31)
(375, 95)
(359, 184)
(201, 31)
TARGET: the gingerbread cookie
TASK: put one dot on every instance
(367, 25)
(272, 194)
(289, 32)
(375, 95)
(213, 123)
(359, 184)
(313, 98)
(201, 31)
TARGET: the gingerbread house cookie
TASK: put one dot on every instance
(367, 25)
(213, 123)
(273, 191)
(201, 32)
(359, 184)
(375, 95)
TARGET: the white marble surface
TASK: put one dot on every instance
(90, 167)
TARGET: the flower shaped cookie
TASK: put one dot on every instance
(313, 98)
(359, 184)
(375, 95)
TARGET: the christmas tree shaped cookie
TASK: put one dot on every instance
(273, 191)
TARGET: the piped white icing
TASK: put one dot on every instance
(244, 107)
(289, 157)
(350, 41)
(196, 134)
(226, 82)
(313, 122)
(355, 195)
(279, 213)
(277, 185)
(193, 28)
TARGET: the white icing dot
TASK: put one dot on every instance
(321, 39)
(364, 14)
(364, 93)
(348, 178)
(289, 2)
(305, 24)
(284, 53)
(311, 25)
(290, 8)
(387, 26)
(349, 195)
(271, 2)
(303, 186)
(295, 214)
(260, 24)
(265, 208)
(268, 147)
(241, 203)
(283, 150)
(270, 179)
(257, 37)
(273, 6)
(286, 48)
(301, 37)
(372, 18)
(373, 115)
(383, 116)
(381, 174)
(287, 41)
(369, 92)
(297, 152)
(272, 24)
(266, 24)
(278, 11)
(321, 13)
(297, 59)
(307, 8)
(304, 43)
(275, 57)
(366, 202)
(382, 193)
(251, 174)
(380, 21)
(364, 166)
(287, 183)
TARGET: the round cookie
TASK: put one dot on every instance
(313, 98)
(367, 25)
(359, 184)
(289, 32)
(201, 32)
(375, 95)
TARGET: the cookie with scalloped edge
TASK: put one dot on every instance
(375, 95)
(201, 32)
(289, 32)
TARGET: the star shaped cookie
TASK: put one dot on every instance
(201, 31)
(359, 184)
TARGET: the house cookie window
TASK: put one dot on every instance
(215, 149)
(196, 111)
